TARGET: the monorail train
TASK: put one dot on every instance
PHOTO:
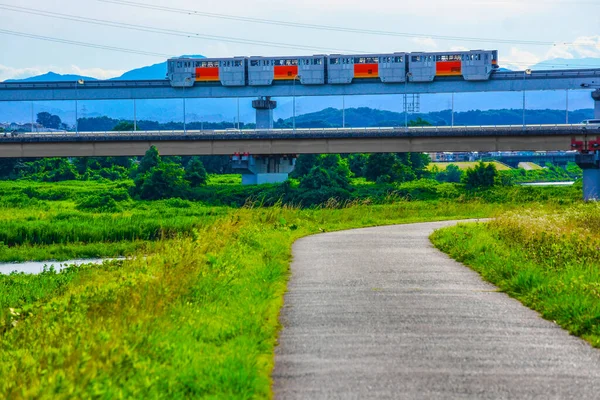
(472, 65)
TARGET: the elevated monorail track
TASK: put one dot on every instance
(500, 81)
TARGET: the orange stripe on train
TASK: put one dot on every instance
(448, 68)
(207, 74)
(366, 70)
(285, 72)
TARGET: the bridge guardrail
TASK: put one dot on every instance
(234, 134)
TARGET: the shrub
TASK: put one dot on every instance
(99, 203)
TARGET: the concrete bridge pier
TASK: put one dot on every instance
(596, 97)
(590, 163)
(264, 107)
(259, 169)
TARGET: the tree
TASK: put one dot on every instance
(49, 170)
(150, 160)
(124, 126)
(48, 120)
(381, 165)
(451, 174)
(304, 164)
(419, 122)
(7, 167)
(162, 182)
(481, 176)
(316, 179)
(337, 168)
(358, 164)
(195, 173)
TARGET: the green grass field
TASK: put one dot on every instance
(465, 165)
(546, 258)
(529, 166)
(193, 313)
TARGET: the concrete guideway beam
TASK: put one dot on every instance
(161, 89)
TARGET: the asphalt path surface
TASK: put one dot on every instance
(378, 313)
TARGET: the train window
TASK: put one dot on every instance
(237, 63)
(253, 63)
(366, 60)
(399, 59)
(318, 61)
(334, 61)
(178, 64)
(477, 57)
(415, 59)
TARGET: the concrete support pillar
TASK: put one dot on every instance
(590, 164)
(264, 107)
(596, 97)
(591, 184)
(259, 169)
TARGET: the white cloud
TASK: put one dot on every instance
(93, 72)
(583, 46)
(519, 59)
(18, 73)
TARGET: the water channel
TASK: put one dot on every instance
(35, 267)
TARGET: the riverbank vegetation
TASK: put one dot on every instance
(195, 317)
(547, 258)
(192, 311)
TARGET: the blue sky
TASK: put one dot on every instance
(556, 22)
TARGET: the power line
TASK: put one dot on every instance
(83, 44)
(172, 32)
(177, 33)
(325, 27)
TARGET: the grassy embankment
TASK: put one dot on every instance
(548, 259)
(194, 313)
(441, 166)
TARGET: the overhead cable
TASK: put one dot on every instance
(172, 32)
(328, 27)
(83, 44)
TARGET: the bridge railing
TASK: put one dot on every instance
(424, 131)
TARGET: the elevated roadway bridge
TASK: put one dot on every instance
(300, 141)
(267, 156)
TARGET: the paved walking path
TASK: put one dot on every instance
(379, 313)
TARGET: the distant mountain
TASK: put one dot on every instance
(566, 63)
(366, 117)
(156, 71)
(54, 77)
